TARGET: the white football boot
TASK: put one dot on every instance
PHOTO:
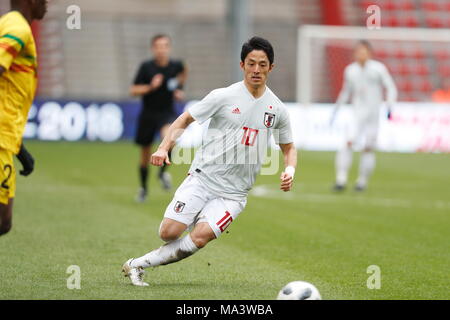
(135, 274)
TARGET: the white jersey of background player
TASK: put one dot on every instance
(364, 80)
(243, 117)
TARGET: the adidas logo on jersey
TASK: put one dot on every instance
(236, 111)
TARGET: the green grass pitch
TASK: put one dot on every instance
(78, 209)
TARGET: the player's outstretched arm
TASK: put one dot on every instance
(290, 161)
(175, 130)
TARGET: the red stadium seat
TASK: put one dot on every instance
(425, 86)
(391, 21)
(406, 5)
(418, 54)
(389, 5)
(365, 3)
(442, 54)
(400, 54)
(404, 69)
(381, 53)
(422, 70)
(435, 22)
(405, 86)
(430, 6)
(411, 21)
(444, 70)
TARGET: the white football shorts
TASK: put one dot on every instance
(194, 203)
(363, 129)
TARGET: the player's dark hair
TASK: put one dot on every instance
(366, 44)
(257, 43)
(157, 37)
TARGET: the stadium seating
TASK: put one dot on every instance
(200, 35)
(415, 68)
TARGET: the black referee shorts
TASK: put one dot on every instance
(149, 126)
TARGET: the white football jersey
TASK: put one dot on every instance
(237, 138)
(365, 84)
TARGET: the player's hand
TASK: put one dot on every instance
(27, 161)
(156, 82)
(286, 181)
(178, 95)
(159, 158)
(389, 113)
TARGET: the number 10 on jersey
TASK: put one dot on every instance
(249, 136)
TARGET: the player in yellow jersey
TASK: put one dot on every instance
(18, 83)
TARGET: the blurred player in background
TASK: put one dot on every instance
(243, 117)
(159, 82)
(18, 83)
(364, 81)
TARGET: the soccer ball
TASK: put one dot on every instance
(299, 290)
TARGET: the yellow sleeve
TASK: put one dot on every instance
(13, 38)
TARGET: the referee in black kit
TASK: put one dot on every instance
(159, 82)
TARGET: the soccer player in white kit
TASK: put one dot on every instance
(364, 80)
(243, 117)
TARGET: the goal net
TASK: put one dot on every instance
(417, 58)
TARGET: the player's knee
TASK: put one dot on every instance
(168, 235)
(170, 230)
(200, 241)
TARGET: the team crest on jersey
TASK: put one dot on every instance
(179, 206)
(269, 119)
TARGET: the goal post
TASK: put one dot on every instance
(418, 58)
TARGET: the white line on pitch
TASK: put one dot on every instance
(269, 191)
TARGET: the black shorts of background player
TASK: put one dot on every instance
(159, 82)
